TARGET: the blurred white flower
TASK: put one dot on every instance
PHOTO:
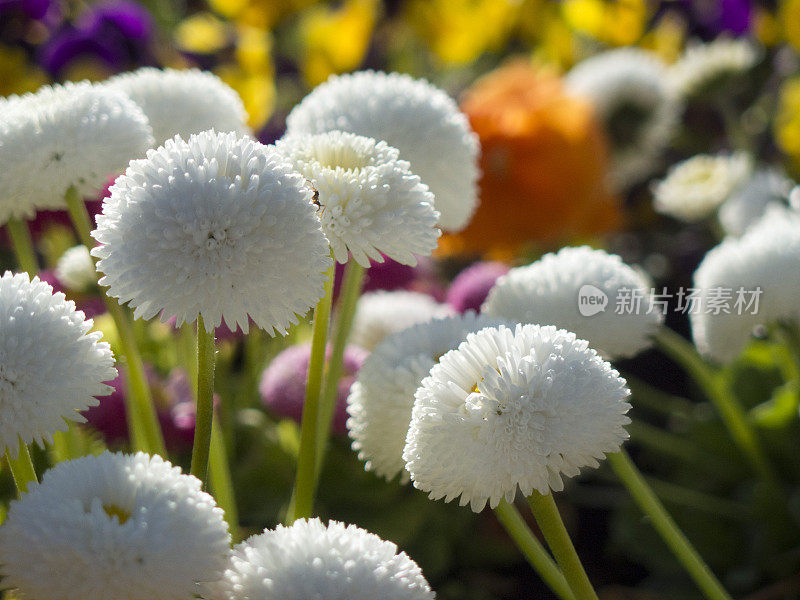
(128, 527)
(767, 187)
(417, 118)
(513, 408)
(550, 292)
(219, 226)
(311, 560)
(75, 269)
(51, 365)
(370, 202)
(706, 66)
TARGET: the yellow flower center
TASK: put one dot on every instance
(113, 510)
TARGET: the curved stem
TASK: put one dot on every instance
(532, 549)
(205, 401)
(674, 538)
(221, 480)
(549, 520)
(21, 242)
(22, 468)
(305, 481)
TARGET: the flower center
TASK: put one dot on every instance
(112, 510)
(344, 157)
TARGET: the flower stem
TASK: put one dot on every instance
(532, 549)
(681, 547)
(22, 244)
(351, 290)
(305, 481)
(22, 468)
(221, 480)
(205, 401)
(145, 430)
(549, 520)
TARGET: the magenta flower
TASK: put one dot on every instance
(471, 286)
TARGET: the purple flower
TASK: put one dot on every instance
(32, 9)
(471, 286)
(283, 383)
(391, 275)
(709, 18)
(90, 304)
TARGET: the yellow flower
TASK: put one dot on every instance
(17, 75)
(263, 14)
(667, 38)
(202, 33)
(789, 17)
(787, 121)
(615, 22)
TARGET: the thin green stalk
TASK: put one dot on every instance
(305, 481)
(681, 547)
(205, 401)
(532, 549)
(221, 480)
(144, 426)
(350, 291)
(22, 244)
(549, 520)
(22, 468)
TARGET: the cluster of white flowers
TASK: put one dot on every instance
(704, 66)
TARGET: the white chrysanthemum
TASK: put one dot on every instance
(513, 408)
(765, 258)
(551, 291)
(694, 188)
(75, 269)
(417, 118)
(219, 226)
(128, 527)
(370, 202)
(380, 313)
(77, 135)
(767, 187)
(311, 560)
(183, 102)
(629, 90)
(382, 397)
(51, 365)
(706, 66)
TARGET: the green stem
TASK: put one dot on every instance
(350, 291)
(549, 520)
(22, 468)
(305, 482)
(681, 547)
(532, 549)
(221, 480)
(145, 428)
(205, 401)
(22, 244)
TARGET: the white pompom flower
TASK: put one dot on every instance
(183, 102)
(705, 67)
(766, 188)
(51, 365)
(75, 269)
(628, 88)
(513, 409)
(694, 188)
(380, 313)
(747, 281)
(551, 291)
(128, 527)
(76, 134)
(370, 203)
(312, 560)
(417, 118)
(219, 226)
(382, 397)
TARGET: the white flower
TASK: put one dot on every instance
(183, 102)
(628, 88)
(128, 527)
(310, 560)
(51, 365)
(417, 118)
(75, 269)
(382, 397)
(704, 67)
(513, 408)
(550, 292)
(694, 188)
(767, 187)
(380, 313)
(765, 258)
(72, 135)
(219, 226)
(370, 201)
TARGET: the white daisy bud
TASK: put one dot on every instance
(311, 560)
(219, 226)
(128, 527)
(75, 269)
(382, 397)
(553, 291)
(513, 408)
(767, 187)
(417, 118)
(51, 365)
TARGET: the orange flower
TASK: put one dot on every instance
(544, 162)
